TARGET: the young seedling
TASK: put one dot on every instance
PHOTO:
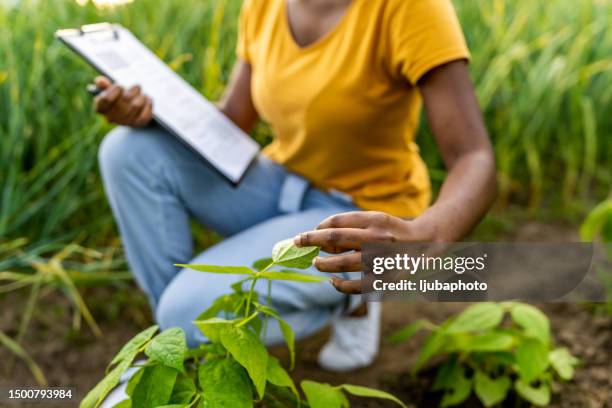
(489, 358)
(234, 369)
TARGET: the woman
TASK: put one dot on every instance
(341, 83)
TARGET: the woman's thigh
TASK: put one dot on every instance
(309, 305)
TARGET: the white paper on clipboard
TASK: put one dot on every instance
(117, 53)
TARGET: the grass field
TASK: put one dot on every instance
(542, 71)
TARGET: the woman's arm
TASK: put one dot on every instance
(465, 196)
(457, 125)
(236, 102)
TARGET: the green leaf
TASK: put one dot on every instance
(320, 395)
(289, 339)
(124, 404)
(367, 392)
(444, 375)
(95, 397)
(460, 388)
(169, 348)
(224, 303)
(277, 375)
(533, 322)
(432, 346)
(249, 351)
(489, 341)
(212, 327)
(291, 276)
(539, 396)
(122, 362)
(133, 382)
(531, 358)
(481, 316)
(491, 391)
(285, 253)
(225, 384)
(263, 263)
(155, 387)
(231, 270)
(130, 350)
(184, 390)
(407, 332)
(563, 362)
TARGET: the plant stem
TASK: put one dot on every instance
(249, 297)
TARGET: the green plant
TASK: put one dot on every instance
(234, 369)
(488, 357)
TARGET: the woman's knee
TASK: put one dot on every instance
(126, 151)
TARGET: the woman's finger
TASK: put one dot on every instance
(131, 93)
(351, 238)
(350, 287)
(340, 263)
(353, 219)
(145, 116)
(136, 107)
(107, 99)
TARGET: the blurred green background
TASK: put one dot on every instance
(542, 70)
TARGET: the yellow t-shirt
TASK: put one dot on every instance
(344, 109)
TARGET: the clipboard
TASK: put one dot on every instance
(177, 107)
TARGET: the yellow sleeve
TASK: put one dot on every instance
(424, 34)
(242, 44)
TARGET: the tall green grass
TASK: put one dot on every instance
(542, 69)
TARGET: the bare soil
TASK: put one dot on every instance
(77, 358)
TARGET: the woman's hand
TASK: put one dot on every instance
(123, 107)
(344, 234)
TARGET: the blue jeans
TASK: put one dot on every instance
(156, 186)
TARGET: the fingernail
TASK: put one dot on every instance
(314, 260)
(332, 281)
(296, 240)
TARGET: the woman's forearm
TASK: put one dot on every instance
(466, 195)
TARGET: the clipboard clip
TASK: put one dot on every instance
(98, 30)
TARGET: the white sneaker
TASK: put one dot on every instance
(354, 341)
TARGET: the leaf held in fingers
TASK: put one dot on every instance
(231, 270)
(481, 316)
(263, 263)
(491, 391)
(320, 395)
(225, 383)
(285, 253)
(292, 276)
(249, 351)
(155, 387)
(169, 348)
(406, 332)
(361, 391)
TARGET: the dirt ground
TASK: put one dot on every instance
(70, 358)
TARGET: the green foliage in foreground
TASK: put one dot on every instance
(490, 358)
(234, 369)
(541, 70)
